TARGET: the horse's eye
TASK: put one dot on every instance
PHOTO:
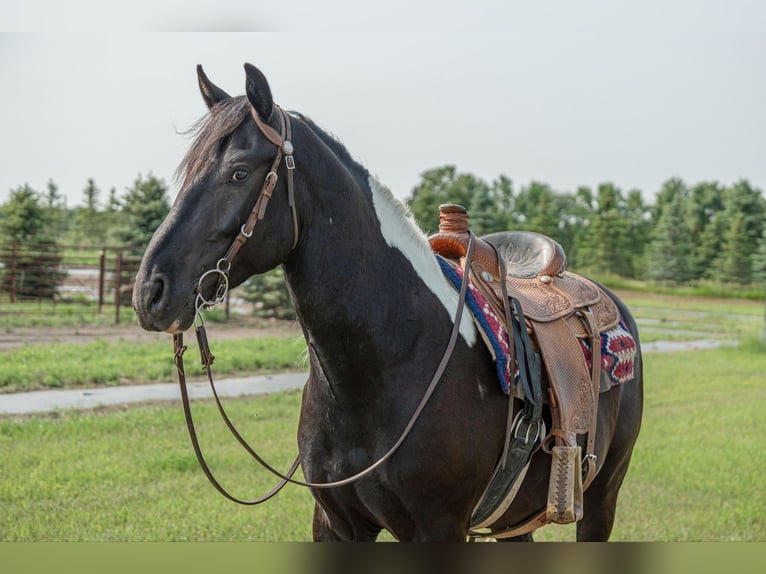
(239, 175)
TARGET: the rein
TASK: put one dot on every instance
(222, 268)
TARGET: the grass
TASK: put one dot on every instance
(701, 288)
(77, 311)
(116, 474)
(129, 474)
(109, 363)
(49, 313)
(697, 472)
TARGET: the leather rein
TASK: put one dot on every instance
(284, 148)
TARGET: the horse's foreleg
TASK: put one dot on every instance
(325, 530)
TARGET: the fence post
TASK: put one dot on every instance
(12, 290)
(101, 271)
(117, 287)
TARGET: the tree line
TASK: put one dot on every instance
(42, 217)
(704, 231)
(35, 226)
(690, 232)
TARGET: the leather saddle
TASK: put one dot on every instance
(560, 308)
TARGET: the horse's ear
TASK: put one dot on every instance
(211, 93)
(258, 92)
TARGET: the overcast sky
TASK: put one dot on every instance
(568, 93)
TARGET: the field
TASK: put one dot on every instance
(129, 473)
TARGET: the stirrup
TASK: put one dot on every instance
(565, 500)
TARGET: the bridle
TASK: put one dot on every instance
(284, 149)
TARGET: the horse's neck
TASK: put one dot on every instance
(367, 288)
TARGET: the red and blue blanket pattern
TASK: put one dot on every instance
(618, 347)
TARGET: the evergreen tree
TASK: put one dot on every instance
(736, 266)
(504, 201)
(668, 258)
(269, 295)
(759, 260)
(637, 233)
(31, 267)
(538, 210)
(91, 228)
(707, 257)
(22, 218)
(579, 214)
(91, 193)
(704, 202)
(55, 214)
(52, 196)
(144, 208)
(741, 227)
(445, 185)
(602, 248)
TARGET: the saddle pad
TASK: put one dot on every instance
(490, 326)
(618, 355)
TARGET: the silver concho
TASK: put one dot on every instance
(287, 147)
(545, 279)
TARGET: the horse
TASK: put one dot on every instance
(376, 312)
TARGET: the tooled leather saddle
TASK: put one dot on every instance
(559, 309)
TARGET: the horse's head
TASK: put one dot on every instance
(229, 175)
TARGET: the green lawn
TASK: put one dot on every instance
(698, 471)
(104, 363)
(129, 474)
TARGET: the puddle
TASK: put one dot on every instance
(696, 345)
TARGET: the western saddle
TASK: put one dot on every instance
(559, 309)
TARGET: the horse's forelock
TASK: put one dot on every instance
(225, 117)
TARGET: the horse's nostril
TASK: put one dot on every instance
(156, 293)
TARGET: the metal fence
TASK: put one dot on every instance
(46, 278)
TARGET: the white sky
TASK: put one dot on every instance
(569, 93)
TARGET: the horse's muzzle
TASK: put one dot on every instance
(152, 302)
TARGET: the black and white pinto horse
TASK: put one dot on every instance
(376, 313)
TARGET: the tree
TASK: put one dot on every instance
(31, 265)
(736, 266)
(445, 185)
(269, 295)
(706, 259)
(741, 225)
(91, 227)
(603, 248)
(538, 209)
(759, 260)
(52, 196)
(705, 200)
(91, 193)
(145, 206)
(668, 254)
(22, 218)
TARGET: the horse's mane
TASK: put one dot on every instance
(227, 115)
(407, 226)
(360, 173)
(224, 117)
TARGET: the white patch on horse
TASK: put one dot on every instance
(401, 232)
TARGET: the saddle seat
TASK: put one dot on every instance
(560, 308)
